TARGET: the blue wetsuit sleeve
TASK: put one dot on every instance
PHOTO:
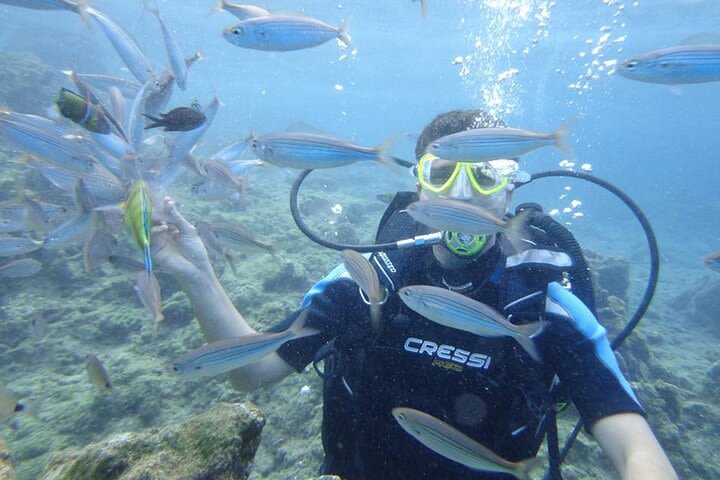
(576, 346)
(328, 304)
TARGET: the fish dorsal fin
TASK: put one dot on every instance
(302, 127)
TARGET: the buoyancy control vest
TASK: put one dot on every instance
(488, 388)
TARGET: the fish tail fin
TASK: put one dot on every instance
(342, 34)
(516, 231)
(560, 137)
(525, 467)
(81, 8)
(197, 56)
(156, 122)
(159, 319)
(383, 151)
(526, 336)
(219, 7)
(298, 328)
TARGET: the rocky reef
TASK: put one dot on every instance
(27, 84)
(219, 444)
(674, 370)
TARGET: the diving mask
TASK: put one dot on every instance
(486, 178)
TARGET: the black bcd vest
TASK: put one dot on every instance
(488, 388)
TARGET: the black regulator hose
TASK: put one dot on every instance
(319, 240)
(557, 457)
(649, 234)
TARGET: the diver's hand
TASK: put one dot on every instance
(176, 247)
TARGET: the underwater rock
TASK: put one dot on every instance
(27, 85)
(700, 304)
(286, 279)
(7, 471)
(219, 444)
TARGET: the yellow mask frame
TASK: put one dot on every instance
(451, 178)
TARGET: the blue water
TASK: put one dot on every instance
(657, 143)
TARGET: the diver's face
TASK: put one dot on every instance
(461, 189)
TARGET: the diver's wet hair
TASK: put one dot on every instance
(452, 122)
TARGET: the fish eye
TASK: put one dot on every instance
(631, 65)
(175, 368)
(197, 367)
(237, 31)
(435, 145)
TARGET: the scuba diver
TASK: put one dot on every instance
(489, 389)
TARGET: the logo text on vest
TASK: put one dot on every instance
(447, 352)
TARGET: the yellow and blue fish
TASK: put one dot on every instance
(138, 218)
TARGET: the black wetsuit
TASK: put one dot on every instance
(488, 388)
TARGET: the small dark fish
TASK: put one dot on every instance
(25, 267)
(179, 119)
(96, 373)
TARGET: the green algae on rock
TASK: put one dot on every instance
(218, 444)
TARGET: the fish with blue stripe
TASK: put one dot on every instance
(675, 65)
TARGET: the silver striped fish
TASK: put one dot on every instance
(675, 65)
(309, 150)
(486, 144)
(451, 443)
(125, 46)
(455, 310)
(175, 55)
(363, 273)
(231, 353)
(284, 33)
(12, 246)
(242, 12)
(463, 217)
(24, 267)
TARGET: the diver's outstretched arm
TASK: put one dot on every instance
(632, 447)
(178, 250)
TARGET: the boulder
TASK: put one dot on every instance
(219, 444)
